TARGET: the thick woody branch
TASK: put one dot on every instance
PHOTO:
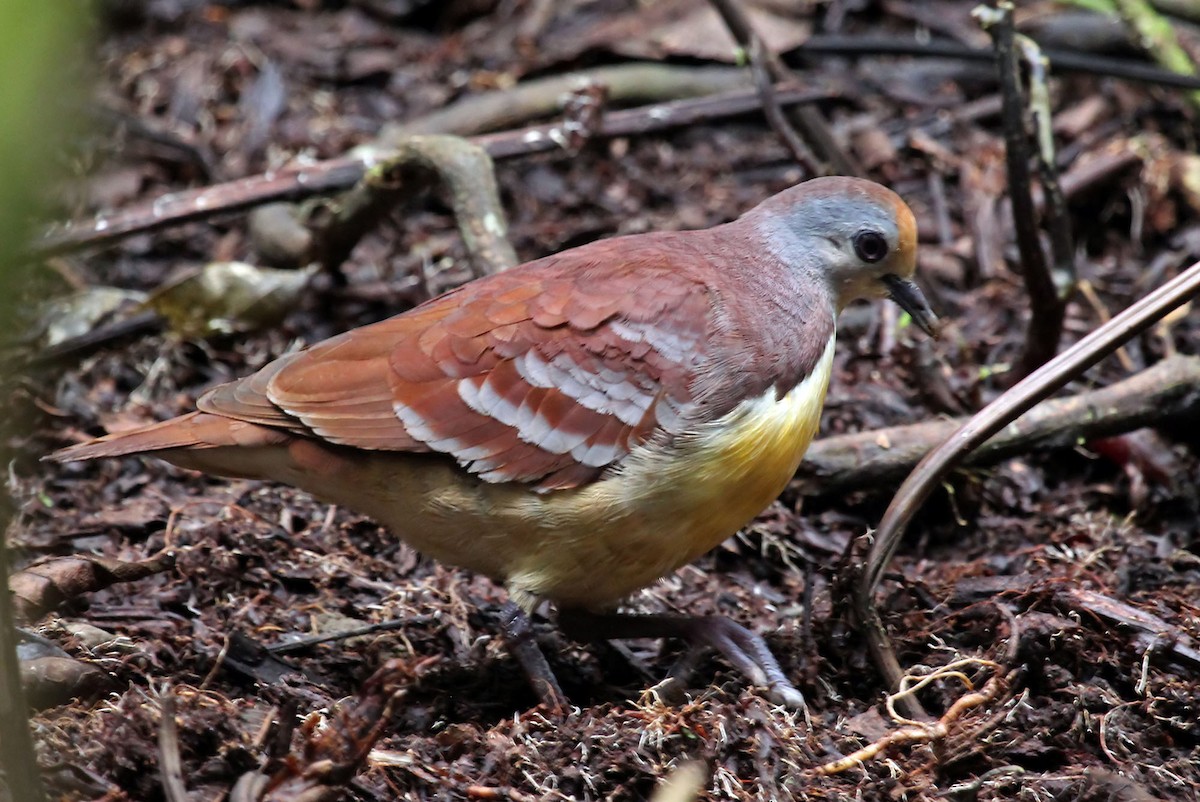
(624, 85)
(880, 458)
(334, 227)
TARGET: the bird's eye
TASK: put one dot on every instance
(870, 246)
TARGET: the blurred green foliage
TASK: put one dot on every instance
(39, 91)
(41, 52)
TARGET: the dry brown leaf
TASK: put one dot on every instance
(42, 587)
(50, 681)
(693, 28)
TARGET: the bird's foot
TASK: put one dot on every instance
(747, 651)
(517, 630)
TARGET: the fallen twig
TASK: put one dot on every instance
(1061, 61)
(1085, 175)
(139, 323)
(300, 644)
(169, 764)
(639, 82)
(761, 68)
(323, 178)
(876, 459)
(1151, 631)
(768, 67)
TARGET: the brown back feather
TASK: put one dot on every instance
(548, 374)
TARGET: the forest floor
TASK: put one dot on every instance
(1075, 570)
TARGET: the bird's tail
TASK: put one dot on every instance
(195, 430)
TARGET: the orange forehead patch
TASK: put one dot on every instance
(906, 224)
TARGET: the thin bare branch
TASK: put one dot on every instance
(1062, 61)
(170, 764)
(813, 127)
(327, 177)
(1046, 306)
(1054, 203)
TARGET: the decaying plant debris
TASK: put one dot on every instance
(241, 633)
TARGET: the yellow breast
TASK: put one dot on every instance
(668, 506)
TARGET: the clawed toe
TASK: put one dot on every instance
(787, 695)
(518, 634)
(745, 650)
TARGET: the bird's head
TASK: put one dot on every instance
(858, 237)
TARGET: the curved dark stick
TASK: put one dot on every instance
(1125, 69)
(990, 420)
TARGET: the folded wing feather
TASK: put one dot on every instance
(546, 374)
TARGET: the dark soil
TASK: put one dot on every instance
(1041, 564)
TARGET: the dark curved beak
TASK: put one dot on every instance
(908, 295)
